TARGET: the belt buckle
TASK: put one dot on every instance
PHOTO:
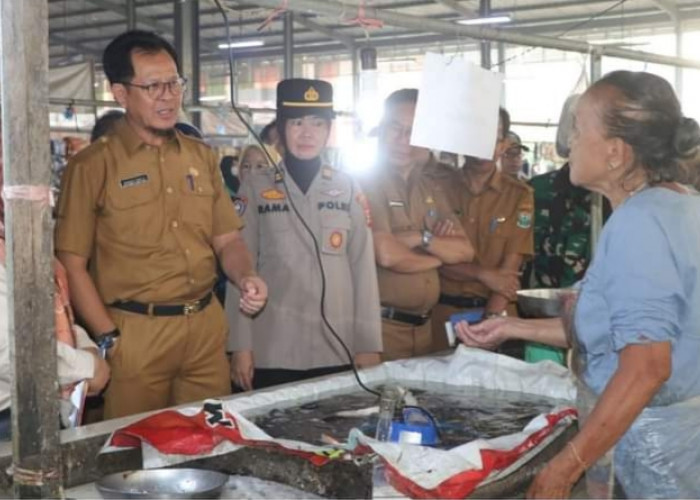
(192, 307)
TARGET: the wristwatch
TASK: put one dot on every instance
(425, 238)
(105, 341)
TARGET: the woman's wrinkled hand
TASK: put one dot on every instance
(557, 478)
(488, 334)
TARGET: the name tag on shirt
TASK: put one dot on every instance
(396, 204)
(134, 181)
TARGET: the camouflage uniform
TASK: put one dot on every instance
(562, 232)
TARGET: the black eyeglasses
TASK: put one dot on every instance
(513, 154)
(157, 89)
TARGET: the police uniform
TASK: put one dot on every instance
(407, 299)
(498, 221)
(145, 217)
(289, 333)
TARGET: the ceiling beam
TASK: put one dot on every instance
(71, 13)
(349, 42)
(458, 8)
(83, 49)
(120, 9)
(417, 39)
(332, 8)
(668, 7)
(141, 19)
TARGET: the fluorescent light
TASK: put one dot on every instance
(617, 41)
(486, 20)
(213, 98)
(242, 45)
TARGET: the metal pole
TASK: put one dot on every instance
(63, 101)
(289, 45)
(679, 53)
(596, 198)
(131, 14)
(187, 46)
(24, 72)
(234, 81)
(502, 67)
(332, 8)
(485, 45)
(355, 77)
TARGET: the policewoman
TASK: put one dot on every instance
(288, 340)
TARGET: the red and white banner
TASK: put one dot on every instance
(415, 471)
(424, 472)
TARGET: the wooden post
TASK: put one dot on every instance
(25, 132)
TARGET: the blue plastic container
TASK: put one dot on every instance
(416, 428)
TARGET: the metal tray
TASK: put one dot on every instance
(541, 302)
(163, 483)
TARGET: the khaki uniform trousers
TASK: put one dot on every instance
(402, 340)
(441, 314)
(162, 361)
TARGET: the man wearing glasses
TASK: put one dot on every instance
(512, 159)
(496, 213)
(144, 206)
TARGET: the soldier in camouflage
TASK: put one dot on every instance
(562, 232)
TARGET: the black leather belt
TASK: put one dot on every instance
(463, 302)
(402, 317)
(172, 310)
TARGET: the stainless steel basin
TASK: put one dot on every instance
(163, 483)
(541, 302)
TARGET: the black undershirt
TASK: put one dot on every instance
(302, 171)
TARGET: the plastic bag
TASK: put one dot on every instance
(659, 456)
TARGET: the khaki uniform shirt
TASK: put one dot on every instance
(498, 221)
(289, 333)
(145, 216)
(398, 206)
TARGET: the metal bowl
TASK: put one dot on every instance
(541, 302)
(163, 483)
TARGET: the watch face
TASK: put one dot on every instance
(106, 342)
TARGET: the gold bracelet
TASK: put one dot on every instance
(580, 460)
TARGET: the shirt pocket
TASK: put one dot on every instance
(335, 230)
(197, 206)
(134, 210)
(399, 221)
(275, 221)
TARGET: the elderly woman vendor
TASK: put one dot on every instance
(635, 328)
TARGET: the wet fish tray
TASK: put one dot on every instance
(472, 395)
(462, 414)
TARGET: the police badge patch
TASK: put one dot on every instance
(336, 239)
(333, 193)
(240, 203)
(524, 220)
(273, 194)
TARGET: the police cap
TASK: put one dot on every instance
(297, 97)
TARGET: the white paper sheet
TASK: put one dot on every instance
(457, 110)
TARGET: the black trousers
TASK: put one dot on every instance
(266, 377)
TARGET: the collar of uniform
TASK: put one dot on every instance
(431, 165)
(495, 181)
(132, 141)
